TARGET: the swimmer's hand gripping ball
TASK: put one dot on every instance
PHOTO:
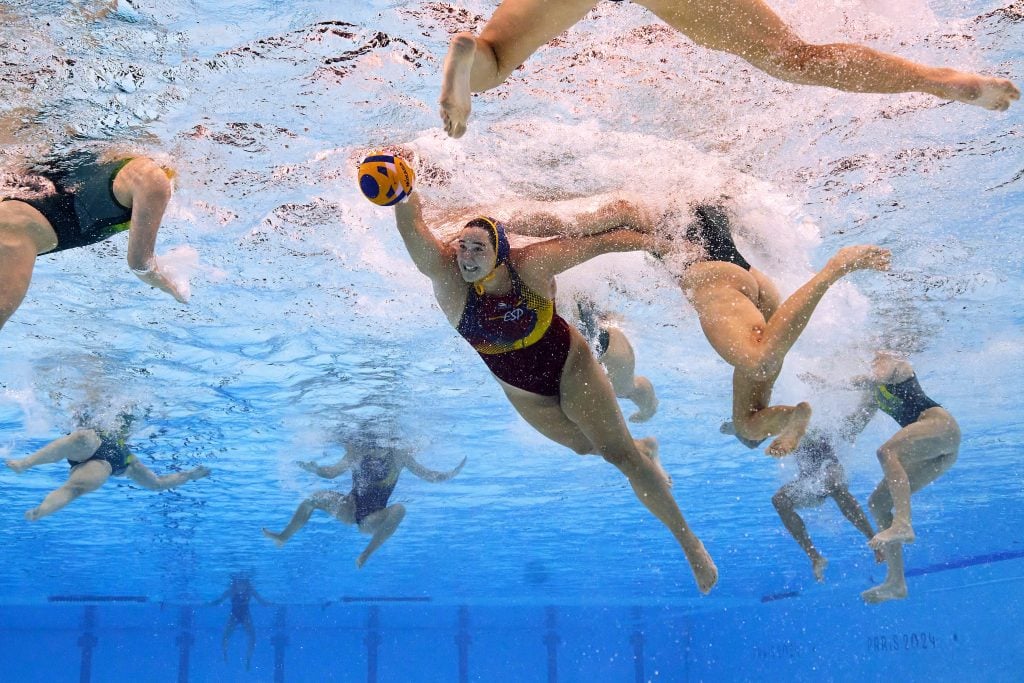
(385, 179)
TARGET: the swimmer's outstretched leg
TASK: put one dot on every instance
(588, 400)
(751, 30)
(513, 33)
(83, 479)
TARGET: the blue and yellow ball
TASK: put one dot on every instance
(385, 179)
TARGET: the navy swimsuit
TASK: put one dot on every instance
(82, 208)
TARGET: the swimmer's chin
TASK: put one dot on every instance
(471, 276)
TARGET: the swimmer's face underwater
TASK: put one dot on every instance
(474, 254)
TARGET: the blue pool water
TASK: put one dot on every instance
(308, 323)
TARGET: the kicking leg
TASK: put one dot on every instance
(755, 419)
(229, 629)
(620, 362)
(852, 510)
(78, 446)
(250, 635)
(750, 29)
(785, 502)
(934, 437)
(588, 400)
(382, 524)
(331, 502)
(515, 31)
(83, 479)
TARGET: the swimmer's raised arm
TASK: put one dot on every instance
(543, 260)
(432, 257)
(430, 475)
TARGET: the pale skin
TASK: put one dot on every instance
(584, 416)
(380, 525)
(742, 317)
(141, 185)
(744, 321)
(749, 29)
(88, 476)
(914, 457)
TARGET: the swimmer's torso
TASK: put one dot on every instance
(81, 206)
(517, 319)
(114, 450)
(373, 481)
(903, 401)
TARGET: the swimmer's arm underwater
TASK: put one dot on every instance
(546, 259)
(855, 423)
(614, 212)
(430, 475)
(329, 471)
(144, 186)
(259, 598)
(222, 598)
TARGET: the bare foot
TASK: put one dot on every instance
(276, 538)
(455, 90)
(16, 465)
(787, 441)
(884, 593)
(648, 447)
(860, 257)
(33, 514)
(704, 569)
(897, 533)
(647, 409)
(729, 428)
(996, 94)
(360, 561)
(818, 565)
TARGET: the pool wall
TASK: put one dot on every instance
(961, 623)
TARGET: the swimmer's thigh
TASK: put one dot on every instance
(742, 27)
(544, 414)
(933, 436)
(519, 27)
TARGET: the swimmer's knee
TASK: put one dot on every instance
(397, 512)
(781, 502)
(85, 440)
